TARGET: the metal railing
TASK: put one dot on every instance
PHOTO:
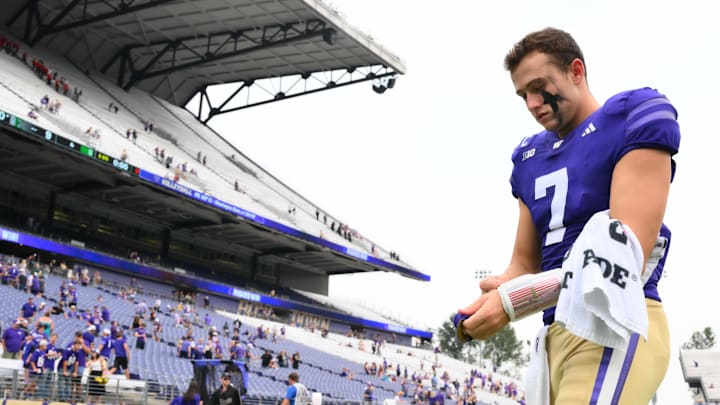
(54, 387)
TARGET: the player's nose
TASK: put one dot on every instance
(533, 101)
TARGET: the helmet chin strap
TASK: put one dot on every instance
(552, 100)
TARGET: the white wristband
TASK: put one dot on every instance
(530, 293)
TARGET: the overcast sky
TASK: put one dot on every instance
(423, 169)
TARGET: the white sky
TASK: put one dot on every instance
(423, 169)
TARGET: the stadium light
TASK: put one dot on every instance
(329, 36)
(380, 85)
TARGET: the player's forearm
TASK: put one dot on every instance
(517, 269)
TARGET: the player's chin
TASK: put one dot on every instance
(549, 125)
(548, 121)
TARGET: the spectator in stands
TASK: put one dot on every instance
(369, 394)
(45, 323)
(22, 279)
(36, 365)
(178, 318)
(153, 315)
(265, 359)
(104, 314)
(124, 155)
(72, 312)
(12, 341)
(347, 373)
(122, 354)
(71, 364)
(296, 393)
(226, 394)
(28, 309)
(89, 336)
(55, 106)
(191, 396)
(184, 347)
(98, 371)
(105, 347)
(141, 309)
(77, 93)
(296, 360)
(59, 309)
(140, 336)
(157, 331)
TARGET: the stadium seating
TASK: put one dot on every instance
(322, 358)
(175, 130)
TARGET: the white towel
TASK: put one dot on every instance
(537, 378)
(604, 300)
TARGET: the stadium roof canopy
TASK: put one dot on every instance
(174, 49)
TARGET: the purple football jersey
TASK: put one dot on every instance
(565, 181)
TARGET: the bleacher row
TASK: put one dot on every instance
(175, 131)
(322, 359)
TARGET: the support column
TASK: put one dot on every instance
(165, 248)
(254, 266)
(50, 216)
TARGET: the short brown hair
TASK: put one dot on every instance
(294, 376)
(558, 44)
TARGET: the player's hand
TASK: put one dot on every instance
(487, 316)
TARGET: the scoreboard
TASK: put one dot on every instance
(13, 121)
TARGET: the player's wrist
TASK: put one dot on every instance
(531, 293)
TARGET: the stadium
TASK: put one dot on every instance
(124, 214)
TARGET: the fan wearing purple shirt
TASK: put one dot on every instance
(12, 340)
(122, 355)
(28, 309)
(589, 158)
(70, 370)
(140, 336)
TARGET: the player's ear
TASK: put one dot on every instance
(577, 70)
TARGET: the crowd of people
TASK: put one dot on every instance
(103, 347)
(33, 339)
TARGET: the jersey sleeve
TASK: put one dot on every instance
(650, 122)
(291, 392)
(521, 152)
